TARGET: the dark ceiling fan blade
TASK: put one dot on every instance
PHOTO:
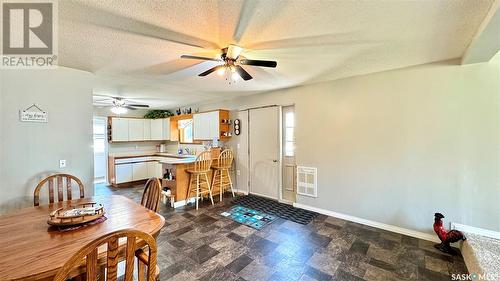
(199, 58)
(130, 107)
(263, 63)
(210, 70)
(138, 105)
(242, 73)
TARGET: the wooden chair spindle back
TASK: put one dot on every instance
(90, 253)
(203, 162)
(58, 178)
(226, 158)
(152, 193)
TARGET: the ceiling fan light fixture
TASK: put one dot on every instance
(221, 71)
(118, 110)
(235, 76)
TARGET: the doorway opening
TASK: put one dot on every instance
(100, 149)
(288, 173)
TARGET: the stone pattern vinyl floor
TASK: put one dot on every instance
(203, 245)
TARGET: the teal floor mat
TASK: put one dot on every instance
(250, 217)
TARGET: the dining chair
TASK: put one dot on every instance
(89, 255)
(221, 177)
(152, 193)
(198, 177)
(68, 182)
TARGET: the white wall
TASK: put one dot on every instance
(30, 151)
(397, 146)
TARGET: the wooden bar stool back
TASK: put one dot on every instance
(152, 193)
(93, 261)
(63, 181)
(221, 177)
(198, 177)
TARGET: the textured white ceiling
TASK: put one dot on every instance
(134, 46)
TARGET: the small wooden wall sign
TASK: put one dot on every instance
(28, 115)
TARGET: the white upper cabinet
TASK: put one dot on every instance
(199, 127)
(213, 124)
(135, 129)
(139, 129)
(206, 125)
(119, 129)
(160, 129)
(157, 129)
(147, 129)
(166, 129)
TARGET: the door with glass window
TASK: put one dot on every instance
(288, 155)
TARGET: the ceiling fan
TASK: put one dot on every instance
(231, 61)
(119, 104)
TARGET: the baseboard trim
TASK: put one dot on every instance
(388, 227)
(245, 192)
(181, 203)
(476, 230)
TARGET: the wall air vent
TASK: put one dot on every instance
(307, 181)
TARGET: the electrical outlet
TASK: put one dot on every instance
(62, 164)
(238, 172)
(238, 146)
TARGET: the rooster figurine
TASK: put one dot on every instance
(446, 237)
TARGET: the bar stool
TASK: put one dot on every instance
(198, 177)
(221, 177)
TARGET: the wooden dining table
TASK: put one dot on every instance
(31, 250)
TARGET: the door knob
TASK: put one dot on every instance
(275, 161)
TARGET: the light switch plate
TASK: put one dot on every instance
(62, 163)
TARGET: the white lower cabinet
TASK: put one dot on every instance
(123, 173)
(139, 171)
(155, 170)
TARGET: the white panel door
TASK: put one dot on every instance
(135, 129)
(166, 129)
(140, 171)
(147, 129)
(123, 173)
(264, 155)
(119, 129)
(156, 129)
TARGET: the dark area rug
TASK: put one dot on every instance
(272, 207)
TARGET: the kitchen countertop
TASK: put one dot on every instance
(165, 158)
